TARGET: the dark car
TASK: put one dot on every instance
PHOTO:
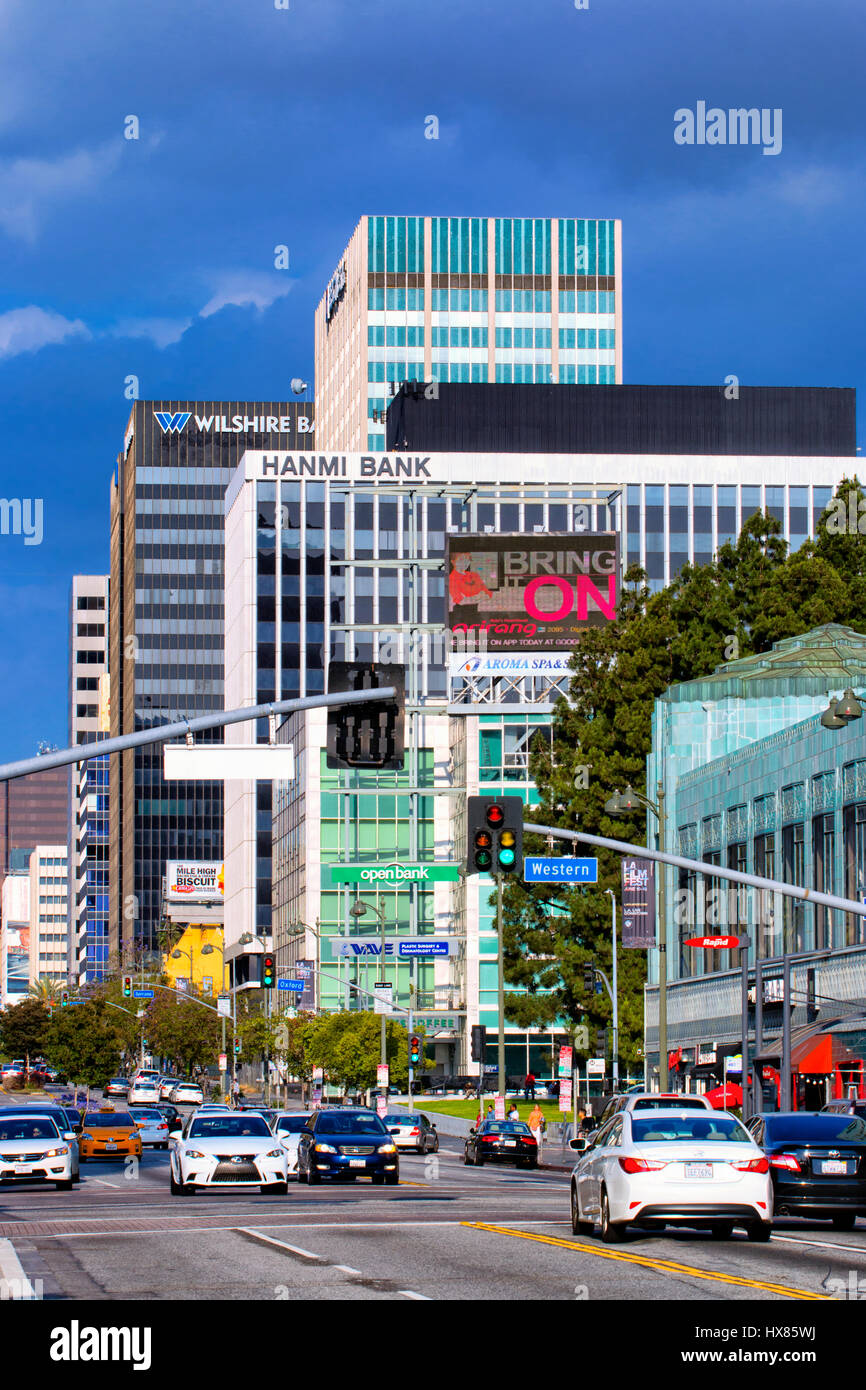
(501, 1141)
(168, 1112)
(347, 1144)
(66, 1116)
(817, 1162)
(845, 1107)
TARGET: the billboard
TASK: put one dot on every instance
(530, 593)
(638, 903)
(185, 880)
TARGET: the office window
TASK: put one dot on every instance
(823, 875)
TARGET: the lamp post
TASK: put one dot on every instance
(612, 895)
(358, 909)
(621, 804)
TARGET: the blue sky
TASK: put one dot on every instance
(261, 126)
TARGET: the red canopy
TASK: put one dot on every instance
(724, 1097)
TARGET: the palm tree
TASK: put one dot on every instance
(45, 988)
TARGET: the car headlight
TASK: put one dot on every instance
(387, 1149)
(275, 1153)
(87, 1136)
(57, 1153)
(193, 1153)
(325, 1149)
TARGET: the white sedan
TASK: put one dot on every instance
(32, 1149)
(672, 1167)
(228, 1150)
(152, 1126)
(143, 1091)
(187, 1093)
(286, 1126)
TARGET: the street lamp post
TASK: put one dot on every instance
(358, 909)
(615, 993)
(621, 804)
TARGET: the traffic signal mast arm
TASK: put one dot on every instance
(679, 861)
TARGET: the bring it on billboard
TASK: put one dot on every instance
(530, 593)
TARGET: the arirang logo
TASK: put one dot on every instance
(172, 424)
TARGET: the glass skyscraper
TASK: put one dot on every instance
(436, 299)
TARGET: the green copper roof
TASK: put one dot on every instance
(829, 658)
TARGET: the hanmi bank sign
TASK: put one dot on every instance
(463, 470)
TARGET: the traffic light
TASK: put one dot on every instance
(269, 972)
(600, 1042)
(64, 998)
(366, 735)
(494, 835)
(414, 1051)
(478, 1042)
(237, 1047)
(588, 977)
(127, 986)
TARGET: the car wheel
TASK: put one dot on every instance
(378, 1179)
(844, 1220)
(612, 1232)
(302, 1177)
(760, 1231)
(392, 1179)
(313, 1177)
(723, 1230)
(176, 1188)
(436, 1144)
(578, 1225)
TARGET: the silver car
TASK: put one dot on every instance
(412, 1132)
(153, 1127)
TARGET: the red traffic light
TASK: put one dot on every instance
(495, 815)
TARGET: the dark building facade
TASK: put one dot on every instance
(34, 810)
(167, 632)
(494, 418)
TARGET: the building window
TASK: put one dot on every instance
(855, 868)
(823, 874)
(793, 871)
(765, 923)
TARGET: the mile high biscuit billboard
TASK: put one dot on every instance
(530, 593)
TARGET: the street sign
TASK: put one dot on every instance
(222, 1062)
(595, 1066)
(382, 1076)
(394, 875)
(542, 868)
(714, 943)
(499, 1108)
(381, 1106)
(296, 985)
(224, 1006)
(565, 1062)
(383, 1003)
(566, 1094)
(142, 994)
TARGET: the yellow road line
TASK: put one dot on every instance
(662, 1266)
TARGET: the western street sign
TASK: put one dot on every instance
(544, 868)
(296, 985)
(142, 994)
(393, 875)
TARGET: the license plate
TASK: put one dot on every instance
(110, 1144)
(833, 1165)
(23, 1164)
(357, 1162)
(699, 1170)
(509, 1143)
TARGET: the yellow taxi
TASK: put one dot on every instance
(108, 1133)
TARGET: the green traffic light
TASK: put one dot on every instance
(506, 858)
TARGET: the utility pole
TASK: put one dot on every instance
(615, 1000)
(500, 988)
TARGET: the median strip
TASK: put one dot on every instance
(660, 1266)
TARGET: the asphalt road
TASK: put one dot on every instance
(447, 1232)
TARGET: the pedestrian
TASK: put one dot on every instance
(537, 1125)
(236, 1092)
(529, 1086)
(491, 1112)
(514, 1113)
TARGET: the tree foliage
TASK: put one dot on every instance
(183, 1031)
(24, 1029)
(348, 1046)
(754, 593)
(84, 1043)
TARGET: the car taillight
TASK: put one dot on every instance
(162, 1126)
(531, 1141)
(641, 1165)
(786, 1161)
(751, 1165)
(488, 1138)
(414, 1131)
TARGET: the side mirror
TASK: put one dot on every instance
(579, 1145)
(68, 1135)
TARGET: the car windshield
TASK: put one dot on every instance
(666, 1103)
(118, 1119)
(706, 1128)
(26, 1128)
(504, 1127)
(334, 1123)
(402, 1119)
(820, 1129)
(228, 1127)
(291, 1124)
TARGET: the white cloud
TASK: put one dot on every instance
(245, 288)
(30, 187)
(32, 328)
(162, 332)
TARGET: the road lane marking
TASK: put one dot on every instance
(821, 1244)
(347, 1269)
(418, 1297)
(283, 1244)
(659, 1265)
(13, 1280)
(295, 1226)
(104, 1182)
